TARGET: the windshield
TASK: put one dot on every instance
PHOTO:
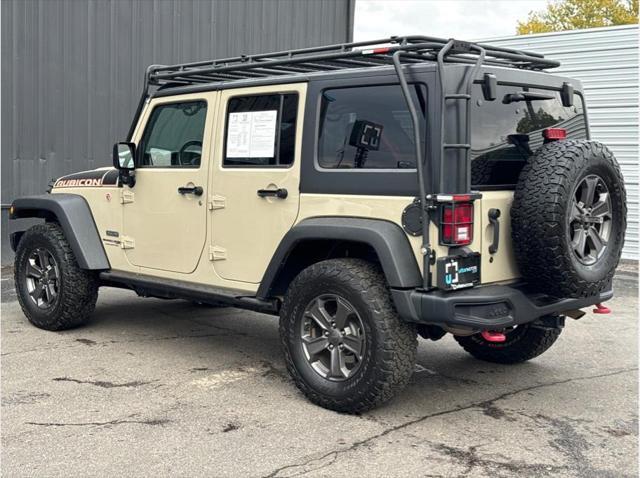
(506, 131)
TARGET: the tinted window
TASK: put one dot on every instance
(261, 130)
(368, 128)
(173, 136)
(503, 135)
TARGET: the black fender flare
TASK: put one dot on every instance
(73, 214)
(385, 237)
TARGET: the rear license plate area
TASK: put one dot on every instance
(458, 272)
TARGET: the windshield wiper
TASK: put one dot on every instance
(525, 96)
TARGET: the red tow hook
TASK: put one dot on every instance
(601, 309)
(493, 336)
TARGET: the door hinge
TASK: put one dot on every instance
(217, 253)
(126, 196)
(127, 242)
(217, 202)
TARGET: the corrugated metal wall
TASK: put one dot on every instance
(72, 70)
(606, 61)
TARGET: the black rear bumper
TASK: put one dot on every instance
(490, 307)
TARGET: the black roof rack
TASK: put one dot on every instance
(372, 53)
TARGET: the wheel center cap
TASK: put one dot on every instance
(334, 337)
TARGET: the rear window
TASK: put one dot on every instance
(503, 135)
(368, 127)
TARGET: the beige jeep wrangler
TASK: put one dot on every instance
(365, 193)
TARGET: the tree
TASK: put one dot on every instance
(563, 15)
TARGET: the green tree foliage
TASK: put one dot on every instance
(563, 15)
(533, 121)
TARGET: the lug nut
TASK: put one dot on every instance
(326, 333)
(330, 347)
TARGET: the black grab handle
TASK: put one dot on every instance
(280, 193)
(195, 190)
(494, 214)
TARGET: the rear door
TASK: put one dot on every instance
(256, 178)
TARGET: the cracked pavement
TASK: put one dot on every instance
(168, 388)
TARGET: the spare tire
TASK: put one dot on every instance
(568, 218)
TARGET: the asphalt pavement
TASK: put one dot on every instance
(169, 388)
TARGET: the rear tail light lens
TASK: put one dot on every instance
(456, 224)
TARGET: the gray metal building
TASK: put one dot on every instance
(606, 61)
(72, 70)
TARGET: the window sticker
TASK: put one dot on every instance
(252, 134)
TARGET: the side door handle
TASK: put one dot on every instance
(494, 214)
(280, 193)
(195, 190)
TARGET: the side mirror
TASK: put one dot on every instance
(124, 155)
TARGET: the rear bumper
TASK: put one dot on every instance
(490, 307)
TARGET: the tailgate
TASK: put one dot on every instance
(501, 265)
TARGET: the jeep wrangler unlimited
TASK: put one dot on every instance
(365, 193)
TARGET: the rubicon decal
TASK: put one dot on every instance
(70, 183)
(89, 179)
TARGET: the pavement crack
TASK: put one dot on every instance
(101, 383)
(109, 423)
(484, 404)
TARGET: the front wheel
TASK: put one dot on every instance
(344, 344)
(523, 342)
(54, 293)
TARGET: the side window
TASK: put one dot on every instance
(261, 131)
(368, 128)
(173, 136)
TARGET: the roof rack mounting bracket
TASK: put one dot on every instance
(566, 94)
(489, 87)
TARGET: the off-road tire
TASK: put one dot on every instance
(523, 343)
(78, 288)
(391, 343)
(540, 218)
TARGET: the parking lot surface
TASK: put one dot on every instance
(168, 388)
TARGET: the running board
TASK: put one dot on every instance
(149, 286)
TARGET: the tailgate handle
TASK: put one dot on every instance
(494, 214)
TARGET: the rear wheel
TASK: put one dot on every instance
(54, 293)
(344, 344)
(523, 342)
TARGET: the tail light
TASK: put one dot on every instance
(456, 224)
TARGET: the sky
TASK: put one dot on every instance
(462, 19)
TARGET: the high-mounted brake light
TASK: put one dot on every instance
(456, 224)
(376, 51)
(554, 134)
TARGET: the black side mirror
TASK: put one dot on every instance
(124, 155)
(124, 160)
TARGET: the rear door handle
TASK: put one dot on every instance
(195, 190)
(494, 214)
(280, 193)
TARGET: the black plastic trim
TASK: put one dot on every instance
(74, 216)
(386, 238)
(489, 307)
